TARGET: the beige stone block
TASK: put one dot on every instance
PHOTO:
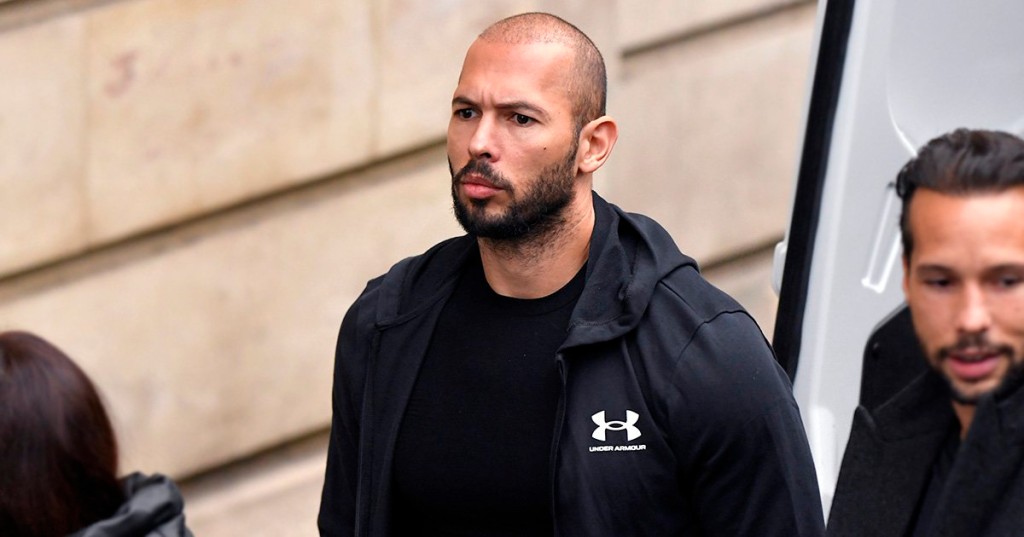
(271, 495)
(197, 104)
(657, 20)
(215, 341)
(420, 48)
(709, 134)
(41, 120)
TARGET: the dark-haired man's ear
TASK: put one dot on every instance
(597, 139)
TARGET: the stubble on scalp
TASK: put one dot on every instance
(587, 79)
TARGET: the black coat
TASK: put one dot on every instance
(889, 458)
(722, 449)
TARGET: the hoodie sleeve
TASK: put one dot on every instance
(337, 515)
(741, 443)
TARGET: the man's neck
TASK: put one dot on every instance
(964, 414)
(539, 266)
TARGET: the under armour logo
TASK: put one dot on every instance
(603, 426)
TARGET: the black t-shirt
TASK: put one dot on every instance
(474, 446)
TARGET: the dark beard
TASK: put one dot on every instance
(1013, 374)
(536, 214)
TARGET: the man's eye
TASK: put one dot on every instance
(522, 120)
(465, 113)
(1008, 281)
(938, 283)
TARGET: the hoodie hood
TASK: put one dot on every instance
(153, 508)
(629, 253)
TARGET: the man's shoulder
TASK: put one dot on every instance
(709, 333)
(416, 277)
(702, 299)
(673, 277)
(711, 336)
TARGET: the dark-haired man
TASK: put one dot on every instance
(562, 369)
(945, 456)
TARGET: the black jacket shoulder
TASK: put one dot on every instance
(153, 508)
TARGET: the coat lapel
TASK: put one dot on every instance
(888, 460)
(986, 467)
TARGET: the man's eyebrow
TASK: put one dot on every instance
(463, 101)
(534, 110)
(1004, 267)
(932, 267)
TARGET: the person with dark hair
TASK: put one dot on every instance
(561, 369)
(59, 457)
(945, 456)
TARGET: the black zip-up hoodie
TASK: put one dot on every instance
(674, 419)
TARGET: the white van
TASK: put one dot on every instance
(889, 76)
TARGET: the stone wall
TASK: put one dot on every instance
(194, 191)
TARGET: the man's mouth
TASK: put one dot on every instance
(971, 364)
(477, 179)
(475, 186)
(974, 354)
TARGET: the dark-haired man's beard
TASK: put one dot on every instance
(535, 210)
(983, 346)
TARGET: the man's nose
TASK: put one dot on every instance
(974, 311)
(482, 144)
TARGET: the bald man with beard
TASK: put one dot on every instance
(561, 369)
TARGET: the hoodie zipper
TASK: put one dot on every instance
(364, 489)
(559, 424)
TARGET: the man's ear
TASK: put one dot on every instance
(597, 139)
